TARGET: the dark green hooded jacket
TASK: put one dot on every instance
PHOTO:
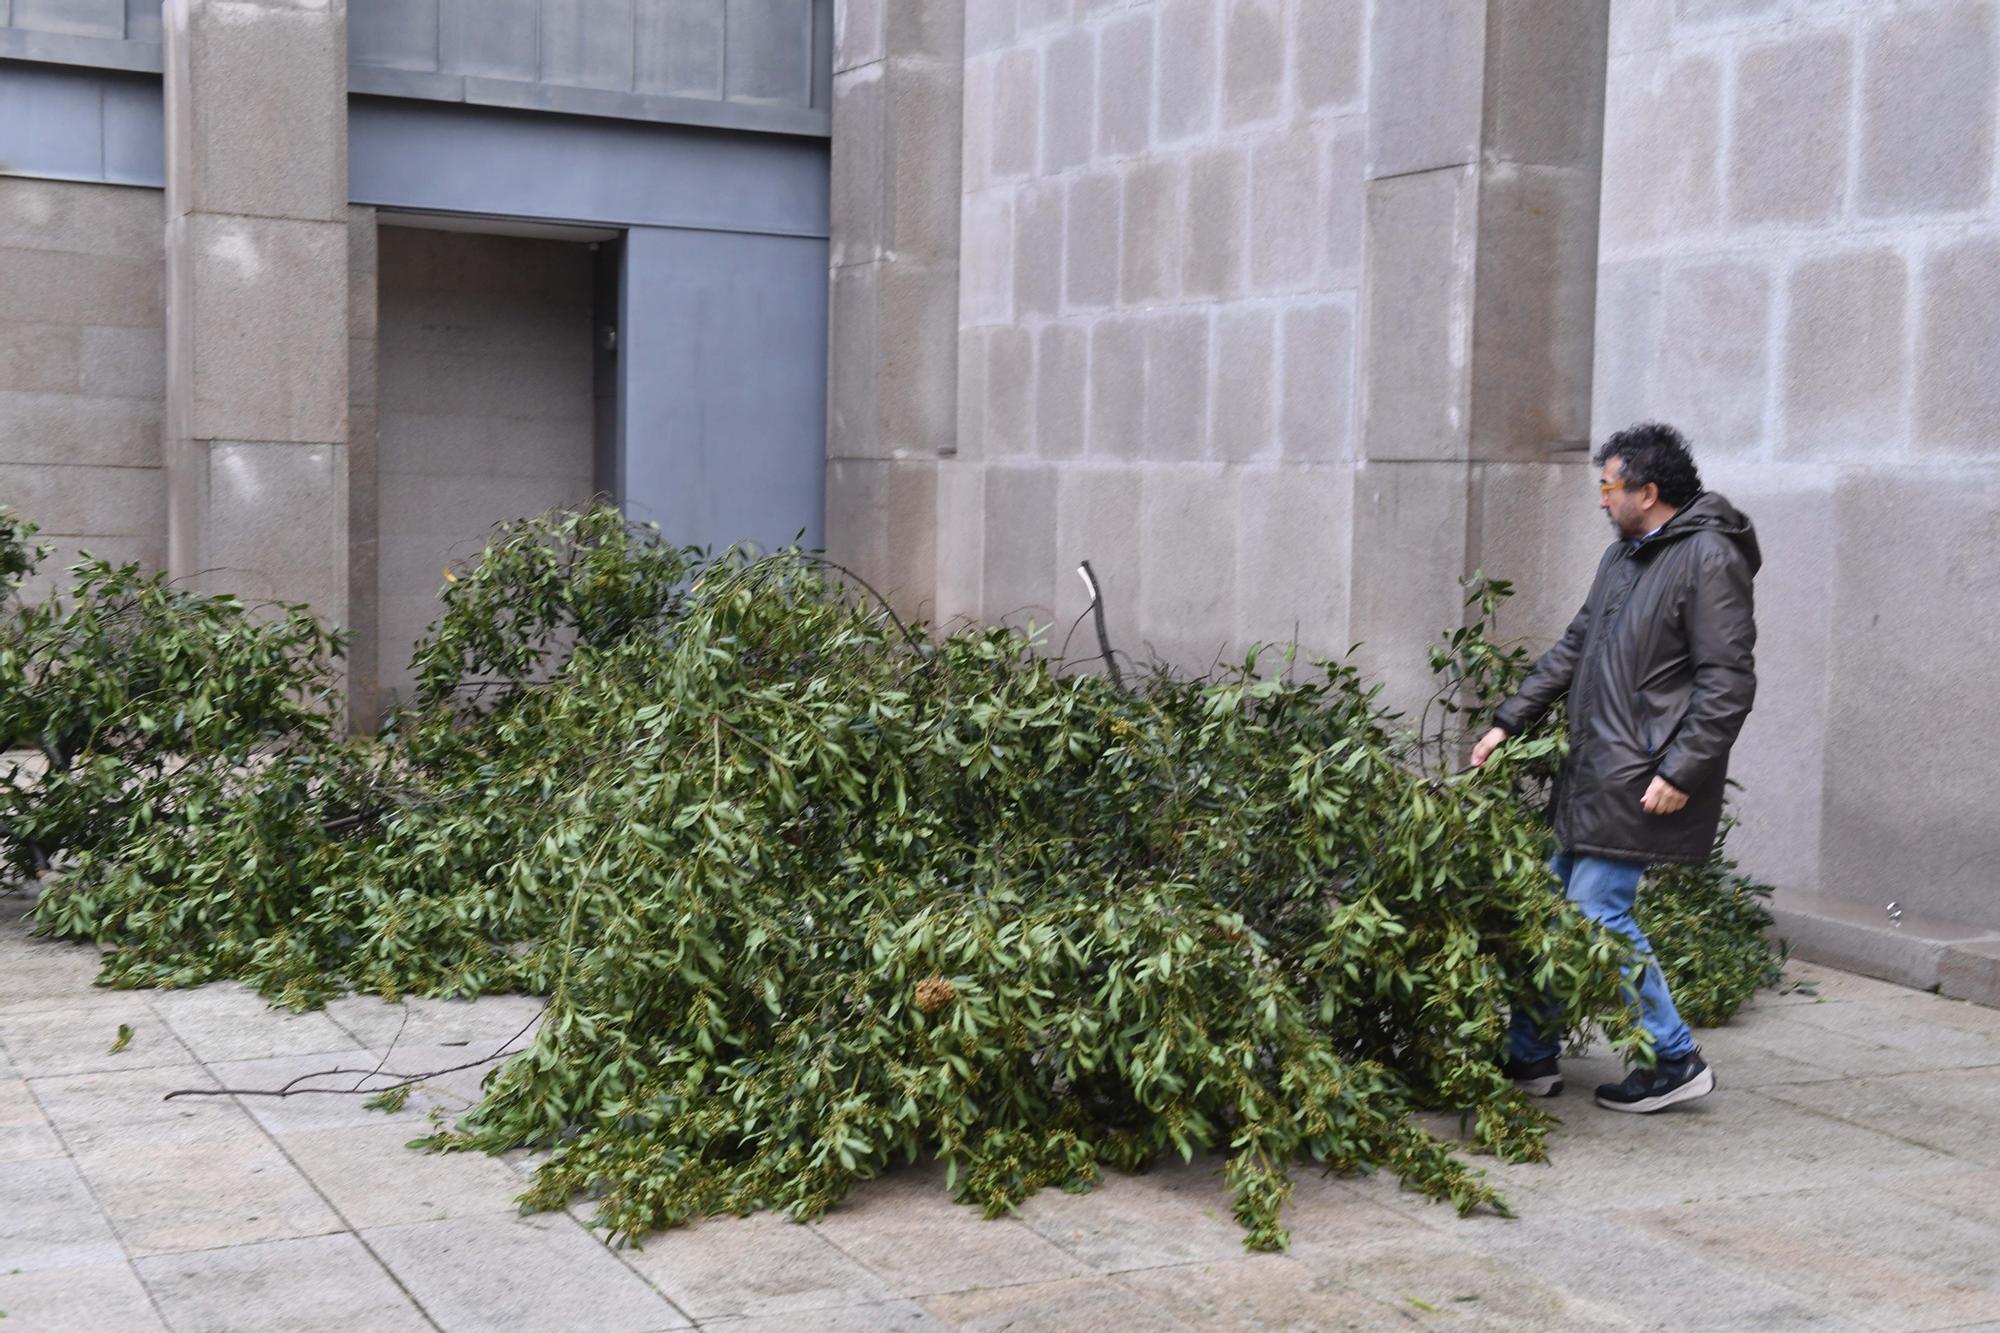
(1660, 674)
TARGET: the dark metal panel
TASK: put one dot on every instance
(61, 48)
(458, 159)
(770, 49)
(142, 20)
(75, 18)
(723, 386)
(135, 149)
(587, 43)
(51, 123)
(680, 47)
(495, 39)
(396, 34)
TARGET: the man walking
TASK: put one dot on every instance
(1659, 672)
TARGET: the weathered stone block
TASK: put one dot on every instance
(923, 126)
(1036, 15)
(1788, 154)
(916, 328)
(854, 358)
(1100, 512)
(1958, 396)
(1640, 25)
(1090, 275)
(1910, 701)
(1062, 363)
(65, 429)
(1038, 249)
(1176, 415)
(1627, 334)
(1662, 145)
(1426, 65)
(1010, 391)
(1714, 372)
(1342, 225)
(986, 264)
(124, 363)
(60, 287)
(1189, 552)
(1125, 85)
(1317, 382)
(80, 218)
(881, 521)
(1544, 84)
(1215, 237)
(1189, 80)
(976, 122)
(1017, 96)
(1285, 228)
(919, 29)
(860, 33)
(970, 441)
(1069, 100)
(39, 358)
(1845, 363)
(1780, 759)
(1244, 394)
(1294, 531)
(276, 527)
(84, 500)
(990, 25)
(1532, 330)
(1928, 101)
(860, 168)
(1150, 249)
(961, 538)
(1019, 565)
(259, 122)
(1410, 545)
(1117, 387)
(269, 328)
(1416, 392)
(1326, 53)
(1253, 64)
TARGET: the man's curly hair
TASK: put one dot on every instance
(1656, 453)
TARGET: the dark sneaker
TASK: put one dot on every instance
(1670, 1083)
(1537, 1078)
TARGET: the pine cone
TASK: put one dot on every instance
(934, 993)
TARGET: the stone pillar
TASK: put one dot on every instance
(893, 374)
(257, 261)
(1485, 129)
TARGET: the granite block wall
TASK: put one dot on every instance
(1800, 266)
(83, 369)
(1161, 257)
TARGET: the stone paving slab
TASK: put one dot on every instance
(1843, 1177)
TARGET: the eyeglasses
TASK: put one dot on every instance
(1606, 487)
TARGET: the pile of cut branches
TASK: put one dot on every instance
(810, 892)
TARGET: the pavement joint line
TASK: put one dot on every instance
(90, 1189)
(333, 1208)
(1867, 1129)
(616, 1253)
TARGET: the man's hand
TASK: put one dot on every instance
(1663, 797)
(1488, 744)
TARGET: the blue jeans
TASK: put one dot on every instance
(1604, 891)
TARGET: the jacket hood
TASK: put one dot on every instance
(1711, 512)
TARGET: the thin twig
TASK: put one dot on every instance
(292, 1089)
